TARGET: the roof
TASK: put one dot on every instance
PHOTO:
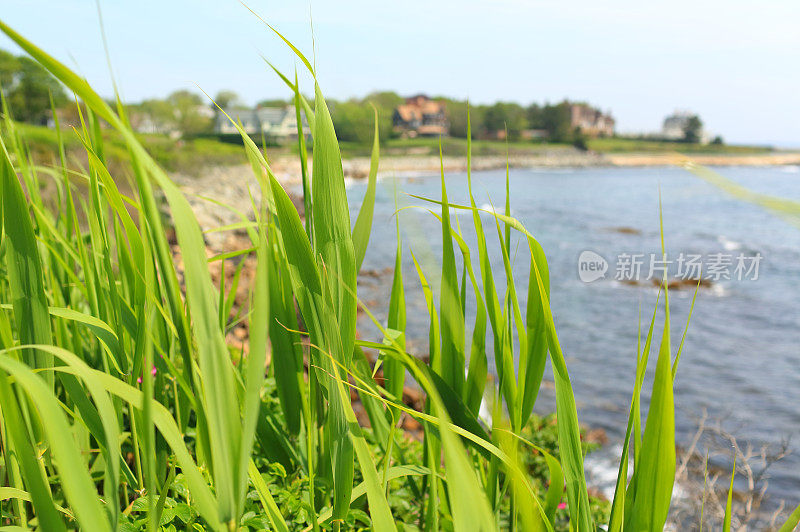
(418, 106)
(272, 115)
(237, 114)
(260, 118)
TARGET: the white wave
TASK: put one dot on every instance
(497, 209)
(728, 244)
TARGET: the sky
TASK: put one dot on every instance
(733, 62)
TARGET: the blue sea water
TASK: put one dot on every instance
(741, 359)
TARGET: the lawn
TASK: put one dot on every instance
(623, 145)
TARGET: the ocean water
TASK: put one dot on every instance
(741, 359)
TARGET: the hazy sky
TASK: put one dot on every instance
(734, 62)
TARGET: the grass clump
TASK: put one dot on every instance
(122, 408)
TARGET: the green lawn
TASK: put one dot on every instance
(175, 156)
(458, 147)
(621, 145)
(191, 155)
(450, 146)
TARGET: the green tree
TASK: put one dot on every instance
(226, 99)
(275, 103)
(189, 118)
(456, 111)
(503, 115)
(692, 129)
(160, 111)
(580, 140)
(28, 87)
(354, 121)
(535, 115)
(9, 69)
(556, 120)
(386, 100)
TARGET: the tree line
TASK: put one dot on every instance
(28, 88)
(354, 118)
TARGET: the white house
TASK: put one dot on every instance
(276, 123)
(674, 127)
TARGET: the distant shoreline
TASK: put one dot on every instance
(358, 167)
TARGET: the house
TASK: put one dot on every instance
(275, 123)
(144, 122)
(674, 127)
(420, 116)
(590, 121)
(244, 116)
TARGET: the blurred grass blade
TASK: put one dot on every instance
(787, 209)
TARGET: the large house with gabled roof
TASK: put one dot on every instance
(420, 116)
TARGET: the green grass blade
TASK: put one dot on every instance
(287, 356)
(655, 465)
(567, 415)
(451, 363)
(363, 226)
(478, 364)
(468, 503)
(534, 357)
(726, 521)
(163, 420)
(792, 522)
(267, 501)
(434, 346)
(332, 239)
(284, 39)
(24, 267)
(295, 87)
(74, 478)
(26, 459)
(505, 360)
(393, 473)
(256, 359)
(301, 148)
(620, 502)
(393, 371)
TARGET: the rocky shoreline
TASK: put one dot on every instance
(233, 185)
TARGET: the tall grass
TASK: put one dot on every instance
(123, 407)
